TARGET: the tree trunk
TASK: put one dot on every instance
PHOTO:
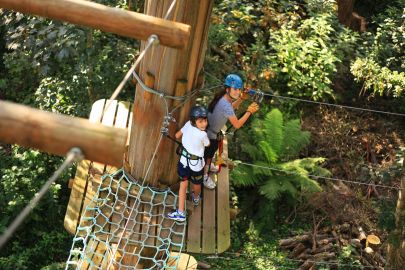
(176, 72)
(349, 18)
(396, 247)
(345, 9)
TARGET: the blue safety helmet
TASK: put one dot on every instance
(198, 112)
(233, 80)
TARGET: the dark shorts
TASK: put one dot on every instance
(209, 151)
(187, 173)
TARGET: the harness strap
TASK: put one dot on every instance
(220, 138)
(181, 151)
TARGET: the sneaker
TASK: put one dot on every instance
(208, 182)
(177, 215)
(195, 199)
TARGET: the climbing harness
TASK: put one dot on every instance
(181, 151)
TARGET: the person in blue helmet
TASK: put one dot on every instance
(221, 110)
(194, 139)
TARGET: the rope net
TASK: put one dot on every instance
(125, 227)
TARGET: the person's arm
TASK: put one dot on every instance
(237, 123)
(178, 134)
(236, 103)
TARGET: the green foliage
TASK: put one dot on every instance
(258, 249)
(380, 64)
(305, 58)
(386, 214)
(275, 151)
(68, 65)
(62, 68)
(290, 47)
(346, 260)
(39, 241)
(380, 80)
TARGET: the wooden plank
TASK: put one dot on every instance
(99, 253)
(75, 205)
(90, 247)
(208, 226)
(186, 261)
(121, 121)
(108, 116)
(109, 19)
(96, 113)
(194, 231)
(223, 217)
(123, 111)
(107, 120)
(57, 134)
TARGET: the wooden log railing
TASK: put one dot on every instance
(109, 19)
(57, 134)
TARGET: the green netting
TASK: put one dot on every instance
(125, 227)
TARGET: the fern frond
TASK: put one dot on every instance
(262, 169)
(251, 151)
(277, 185)
(268, 151)
(243, 176)
(273, 130)
(300, 169)
(294, 138)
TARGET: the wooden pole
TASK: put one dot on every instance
(176, 73)
(57, 134)
(114, 20)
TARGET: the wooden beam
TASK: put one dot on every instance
(56, 134)
(114, 20)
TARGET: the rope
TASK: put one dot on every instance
(153, 158)
(106, 218)
(195, 91)
(319, 177)
(153, 39)
(335, 105)
(321, 103)
(74, 155)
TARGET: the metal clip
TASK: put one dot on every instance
(256, 95)
(166, 122)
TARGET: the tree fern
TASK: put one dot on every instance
(244, 177)
(273, 130)
(275, 186)
(270, 144)
(294, 138)
(269, 152)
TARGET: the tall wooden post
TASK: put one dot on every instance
(176, 72)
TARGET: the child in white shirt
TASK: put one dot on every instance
(191, 163)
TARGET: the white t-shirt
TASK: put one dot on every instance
(194, 141)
